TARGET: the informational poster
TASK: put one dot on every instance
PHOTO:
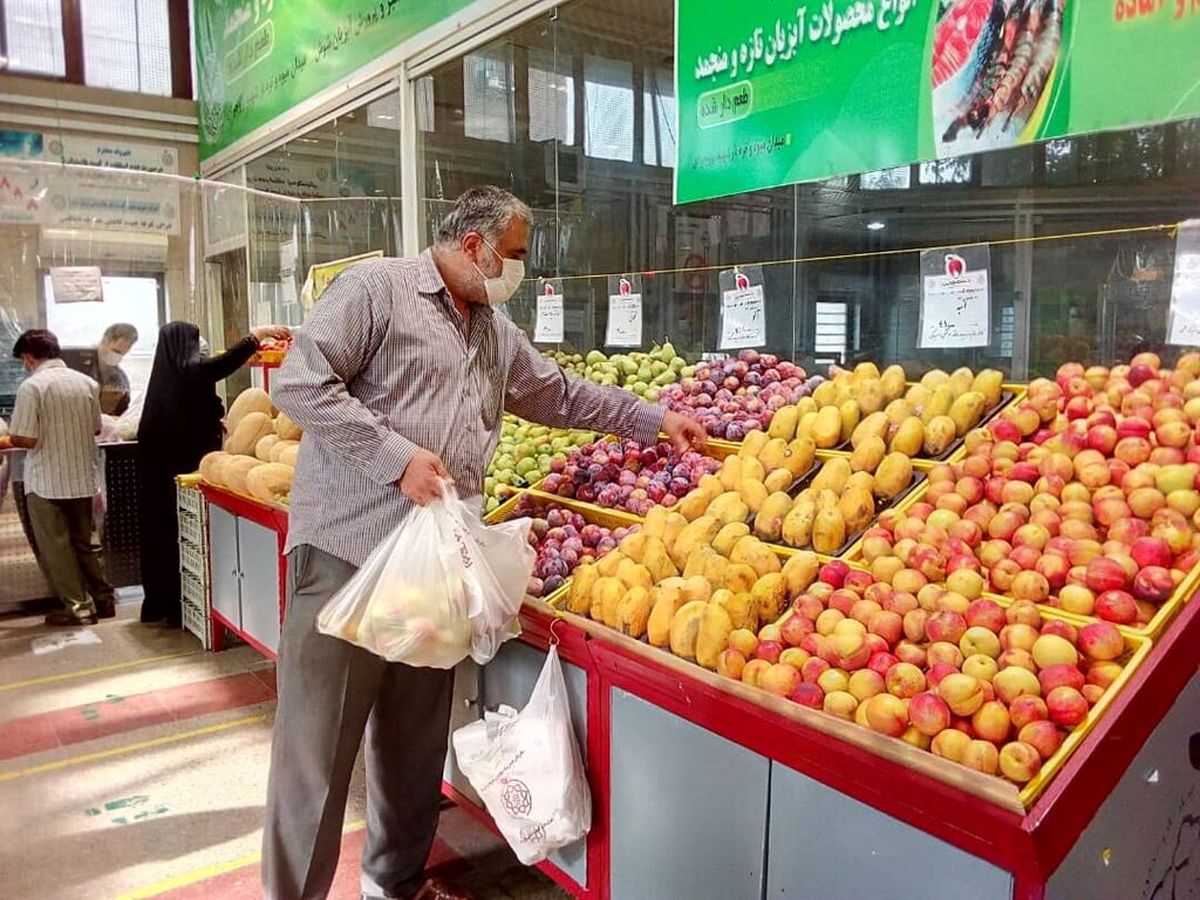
(956, 298)
(743, 309)
(1183, 321)
(548, 317)
(323, 273)
(624, 327)
(773, 92)
(97, 151)
(77, 284)
(257, 59)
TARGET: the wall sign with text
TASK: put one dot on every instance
(548, 317)
(743, 309)
(624, 327)
(774, 93)
(956, 298)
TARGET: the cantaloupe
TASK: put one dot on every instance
(244, 438)
(248, 401)
(234, 471)
(263, 448)
(208, 466)
(286, 428)
(289, 455)
(278, 450)
(269, 482)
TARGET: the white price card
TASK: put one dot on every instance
(956, 306)
(548, 326)
(1183, 321)
(624, 319)
(77, 284)
(743, 318)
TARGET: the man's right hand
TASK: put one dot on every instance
(422, 479)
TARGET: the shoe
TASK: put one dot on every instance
(106, 610)
(436, 889)
(60, 618)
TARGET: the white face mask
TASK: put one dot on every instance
(110, 357)
(502, 287)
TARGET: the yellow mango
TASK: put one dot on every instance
(860, 481)
(800, 571)
(851, 415)
(657, 561)
(729, 507)
(934, 378)
(633, 545)
(693, 506)
(728, 536)
(713, 635)
(784, 422)
(779, 480)
(898, 410)
(753, 494)
(697, 588)
(989, 382)
(829, 531)
(967, 410)
(874, 425)
(633, 575)
(893, 382)
(731, 473)
(633, 612)
(870, 397)
(656, 522)
(610, 562)
(771, 593)
(711, 485)
(740, 577)
(772, 455)
(865, 371)
(753, 470)
(827, 429)
(606, 596)
(806, 405)
(867, 455)
(799, 456)
(826, 394)
(676, 522)
(768, 524)
(961, 380)
(698, 533)
(857, 507)
(579, 596)
(665, 603)
(832, 475)
(752, 552)
(685, 628)
(909, 437)
(697, 561)
(893, 475)
(917, 397)
(715, 567)
(742, 608)
(939, 403)
(798, 524)
(940, 433)
(808, 422)
(752, 444)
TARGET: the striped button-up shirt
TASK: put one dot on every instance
(385, 365)
(60, 408)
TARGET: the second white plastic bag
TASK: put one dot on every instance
(442, 586)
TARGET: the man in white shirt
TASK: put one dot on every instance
(57, 418)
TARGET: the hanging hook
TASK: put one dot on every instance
(554, 639)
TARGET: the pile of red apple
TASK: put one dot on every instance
(994, 688)
(625, 475)
(732, 397)
(563, 540)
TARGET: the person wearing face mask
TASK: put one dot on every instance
(181, 421)
(117, 341)
(399, 379)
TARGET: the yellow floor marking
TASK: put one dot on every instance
(111, 667)
(211, 871)
(130, 748)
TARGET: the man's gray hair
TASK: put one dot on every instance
(121, 331)
(487, 210)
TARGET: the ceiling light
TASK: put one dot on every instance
(876, 225)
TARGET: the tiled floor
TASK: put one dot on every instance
(137, 767)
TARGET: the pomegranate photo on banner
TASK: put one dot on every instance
(993, 64)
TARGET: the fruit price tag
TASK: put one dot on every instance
(956, 298)
(1183, 320)
(743, 310)
(548, 324)
(624, 327)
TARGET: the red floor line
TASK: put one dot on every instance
(113, 714)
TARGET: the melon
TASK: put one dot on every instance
(208, 466)
(244, 438)
(269, 482)
(263, 448)
(235, 470)
(286, 428)
(282, 447)
(248, 401)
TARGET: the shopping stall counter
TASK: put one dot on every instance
(702, 790)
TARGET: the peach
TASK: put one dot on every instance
(949, 601)
(1027, 708)
(1058, 675)
(1117, 606)
(851, 627)
(944, 652)
(1092, 693)
(905, 680)
(945, 625)
(770, 632)
(950, 744)
(980, 640)
(992, 551)
(1078, 599)
(938, 671)
(1015, 682)
(808, 694)
(780, 679)
(1043, 735)
(1025, 556)
(1023, 612)
(909, 580)
(886, 568)
(881, 662)
(842, 600)
(887, 714)
(1064, 630)
(1067, 706)
(914, 624)
(795, 657)
(1154, 584)
(875, 644)
(980, 666)
(1104, 574)
(1016, 658)
(1103, 674)
(808, 606)
(1143, 503)
(754, 670)
(860, 715)
(916, 738)
(731, 663)
(1101, 641)
(1002, 575)
(1185, 502)
(841, 704)
(1018, 637)
(744, 641)
(981, 755)
(1051, 649)
(1019, 762)
(986, 614)
(827, 620)
(1054, 569)
(1031, 586)
(888, 625)
(769, 650)
(962, 693)
(834, 680)
(929, 713)
(992, 722)
(794, 629)
(812, 669)
(814, 644)
(865, 683)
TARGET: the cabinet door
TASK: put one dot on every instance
(223, 550)
(688, 808)
(258, 549)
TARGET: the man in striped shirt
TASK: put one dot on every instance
(399, 377)
(57, 418)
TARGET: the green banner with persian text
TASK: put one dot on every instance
(772, 93)
(256, 59)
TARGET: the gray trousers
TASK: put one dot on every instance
(69, 552)
(329, 692)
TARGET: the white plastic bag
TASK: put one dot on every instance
(440, 587)
(527, 769)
